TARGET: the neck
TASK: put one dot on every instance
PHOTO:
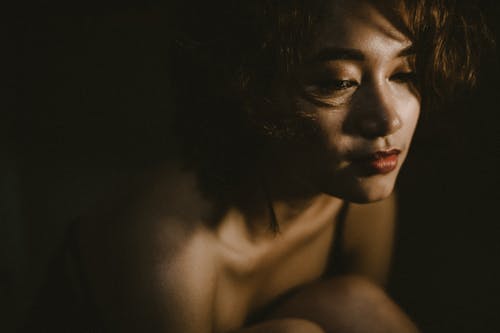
(270, 200)
(273, 192)
(296, 219)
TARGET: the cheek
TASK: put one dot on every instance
(327, 121)
(330, 123)
(330, 140)
(410, 114)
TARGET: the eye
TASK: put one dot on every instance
(404, 77)
(342, 84)
(338, 84)
(331, 87)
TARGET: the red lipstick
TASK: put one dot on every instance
(380, 162)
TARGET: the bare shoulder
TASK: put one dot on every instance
(151, 247)
(186, 284)
(369, 238)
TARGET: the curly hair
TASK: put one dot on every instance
(232, 61)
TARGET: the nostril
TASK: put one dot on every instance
(371, 128)
(380, 121)
(374, 112)
(380, 126)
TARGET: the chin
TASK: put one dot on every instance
(368, 197)
(363, 190)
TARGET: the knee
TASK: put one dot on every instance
(296, 325)
(347, 304)
(284, 325)
(343, 292)
(353, 291)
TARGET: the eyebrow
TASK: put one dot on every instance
(335, 53)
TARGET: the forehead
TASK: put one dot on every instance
(359, 24)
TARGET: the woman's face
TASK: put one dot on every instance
(358, 93)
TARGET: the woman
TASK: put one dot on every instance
(293, 120)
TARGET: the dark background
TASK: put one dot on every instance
(87, 103)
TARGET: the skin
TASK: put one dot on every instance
(156, 264)
(358, 106)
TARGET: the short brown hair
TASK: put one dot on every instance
(229, 59)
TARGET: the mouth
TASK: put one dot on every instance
(379, 162)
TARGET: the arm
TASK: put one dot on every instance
(136, 294)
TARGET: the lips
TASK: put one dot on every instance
(380, 162)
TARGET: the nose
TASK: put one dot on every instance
(375, 112)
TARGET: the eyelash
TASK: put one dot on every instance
(330, 87)
(409, 77)
(327, 87)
